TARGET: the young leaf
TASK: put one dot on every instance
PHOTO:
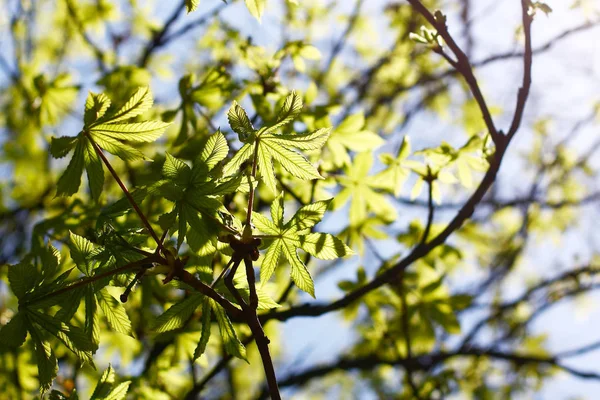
(73, 337)
(14, 333)
(287, 238)
(46, 362)
(60, 147)
(270, 146)
(120, 392)
(104, 384)
(292, 106)
(147, 131)
(69, 182)
(240, 123)
(358, 186)
(22, 278)
(215, 150)
(95, 173)
(205, 335)
(115, 313)
(351, 135)
(104, 388)
(82, 252)
(95, 107)
(231, 342)
(393, 177)
(178, 314)
(138, 103)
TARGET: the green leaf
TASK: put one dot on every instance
(119, 149)
(265, 167)
(147, 131)
(176, 170)
(95, 173)
(60, 147)
(120, 392)
(324, 246)
(295, 163)
(256, 8)
(22, 278)
(271, 260)
(46, 362)
(234, 165)
(73, 337)
(205, 335)
(104, 385)
(14, 333)
(138, 103)
(82, 253)
(299, 273)
(115, 313)
(308, 216)
(191, 5)
(304, 141)
(95, 107)
(240, 123)
(178, 314)
(361, 188)
(215, 150)
(92, 321)
(292, 106)
(231, 342)
(287, 238)
(351, 135)
(104, 388)
(69, 182)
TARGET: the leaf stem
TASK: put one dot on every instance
(252, 187)
(126, 191)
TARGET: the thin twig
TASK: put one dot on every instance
(157, 39)
(462, 65)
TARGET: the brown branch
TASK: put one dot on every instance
(426, 362)
(527, 61)
(462, 65)
(157, 38)
(86, 38)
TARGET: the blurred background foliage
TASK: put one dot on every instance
(475, 317)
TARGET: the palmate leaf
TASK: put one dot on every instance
(393, 177)
(358, 187)
(285, 239)
(178, 314)
(195, 194)
(351, 135)
(83, 252)
(270, 146)
(108, 131)
(115, 313)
